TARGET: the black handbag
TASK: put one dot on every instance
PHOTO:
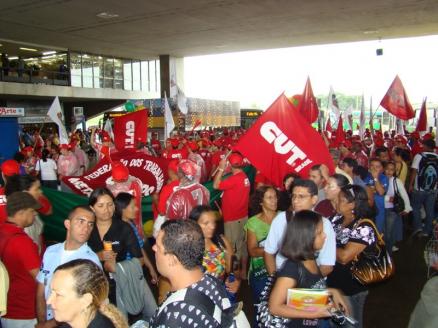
(399, 203)
(376, 266)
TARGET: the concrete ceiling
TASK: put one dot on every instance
(145, 29)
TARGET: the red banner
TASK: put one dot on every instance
(396, 101)
(422, 119)
(152, 171)
(281, 142)
(130, 129)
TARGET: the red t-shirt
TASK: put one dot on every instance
(165, 193)
(235, 197)
(19, 257)
(176, 153)
(3, 213)
(184, 199)
(217, 156)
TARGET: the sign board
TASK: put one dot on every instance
(33, 120)
(11, 112)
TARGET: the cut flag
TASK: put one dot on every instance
(182, 101)
(130, 129)
(308, 106)
(169, 124)
(55, 115)
(328, 126)
(422, 119)
(396, 101)
(278, 143)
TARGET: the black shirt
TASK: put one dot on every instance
(99, 321)
(341, 276)
(304, 279)
(122, 237)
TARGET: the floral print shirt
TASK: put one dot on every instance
(362, 233)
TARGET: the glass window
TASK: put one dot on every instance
(127, 75)
(136, 76)
(87, 71)
(144, 76)
(75, 69)
(97, 71)
(109, 73)
(118, 74)
(152, 75)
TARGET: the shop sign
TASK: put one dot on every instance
(11, 112)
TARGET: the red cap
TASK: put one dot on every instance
(427, 136)
(10, 167)
(235, 159)
(64, 146)
(173, 165)
(120, 172)
(415, 135)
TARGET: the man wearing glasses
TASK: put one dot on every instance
(79, 225)
(304, 197)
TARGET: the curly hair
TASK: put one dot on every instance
(256, 200)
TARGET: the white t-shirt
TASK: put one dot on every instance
(327, 255)
(47, 169)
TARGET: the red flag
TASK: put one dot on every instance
(308, 106)
(340, 133)
(396, 101)
(130, 129)
(328, 126)
(281, 142)
(422, 120)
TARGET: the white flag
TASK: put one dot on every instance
(55, 115)
(169, 124)
(333, 103)
(182, 101)
(109, 128)
(362, 118)
(348, 116)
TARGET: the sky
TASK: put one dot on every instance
(258, 77)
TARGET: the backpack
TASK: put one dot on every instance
(428, 172)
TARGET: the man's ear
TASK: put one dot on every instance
(314, 200)
(173, 260)
(67, 224)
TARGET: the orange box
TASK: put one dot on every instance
(307, 299)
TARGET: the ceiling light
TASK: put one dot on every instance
(49, 52)
(28, 49)
(370, 31)
(106, 15)
(1, 45)
(13, 58)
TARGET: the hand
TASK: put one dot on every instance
(232, 287)
(339, 301)
(110, 265)
(154, 275)
(222, 164)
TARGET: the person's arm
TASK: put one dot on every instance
(93, 138)
(229, 253)
(150, 267)
(41, 303)
(278, 307)
(253, 247)
(220, 172)
(349, 252)
(270, 263)
(412, 179)
(327, 255)
(404, 195)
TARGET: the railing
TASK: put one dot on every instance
(34, 76)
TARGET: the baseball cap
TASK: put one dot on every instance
(173, 165)
(64, 146)
(20, 200)
(430, 143)
(235, 159)
(10, 167)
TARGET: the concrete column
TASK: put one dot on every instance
(171, 74)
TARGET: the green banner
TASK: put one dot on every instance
(63, 202)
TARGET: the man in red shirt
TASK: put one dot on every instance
(20, 256)
(235, 197)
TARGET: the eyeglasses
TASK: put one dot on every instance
(81, 222)
(300, 197)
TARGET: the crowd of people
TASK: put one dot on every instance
(306, 233)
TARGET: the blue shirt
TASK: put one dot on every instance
(56, 255)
